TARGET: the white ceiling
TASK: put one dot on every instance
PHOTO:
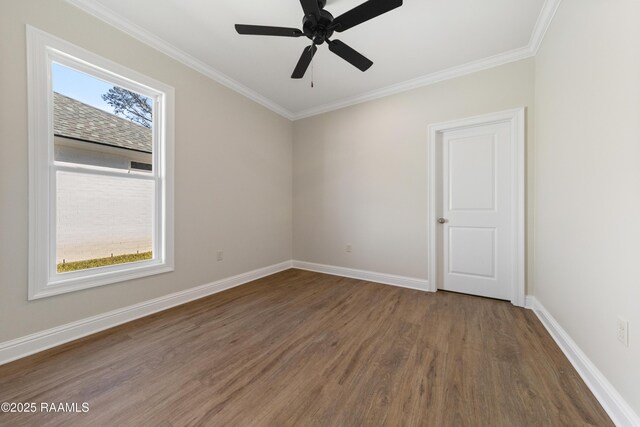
(419, 39)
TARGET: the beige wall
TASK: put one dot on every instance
(587, 198)
(360, 173)
(233, 174)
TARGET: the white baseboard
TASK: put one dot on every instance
(618, 409)
(387, 279)
(613, 403)
(34, 343)
(529, 302)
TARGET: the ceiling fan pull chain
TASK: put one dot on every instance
(311, 48)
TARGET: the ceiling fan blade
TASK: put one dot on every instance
(348, 54)
(260, 30)
(311, 8)
(303, 63)
(367, 10)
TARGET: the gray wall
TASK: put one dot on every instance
(232, 183)
(587, 170)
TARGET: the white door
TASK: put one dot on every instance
(476, 212)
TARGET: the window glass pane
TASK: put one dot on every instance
(97, 123)
(102, 220)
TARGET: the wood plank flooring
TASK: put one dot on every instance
(304, 349)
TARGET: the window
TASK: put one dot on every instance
(141, 166)
(101, 170)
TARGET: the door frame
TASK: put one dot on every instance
(516, 119)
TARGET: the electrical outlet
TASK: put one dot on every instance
(220, 255)
(622, 331)
(347, 248)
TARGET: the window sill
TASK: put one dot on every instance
(64, 285)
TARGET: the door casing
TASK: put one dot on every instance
(516, 119)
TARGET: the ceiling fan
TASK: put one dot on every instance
(319, 25)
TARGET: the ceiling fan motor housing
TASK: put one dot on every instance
(318, 26)
(318, 31)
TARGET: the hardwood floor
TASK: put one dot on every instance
(301, 348)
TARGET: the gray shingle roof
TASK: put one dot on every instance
(74, 119)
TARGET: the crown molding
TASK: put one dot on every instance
(543, 22)
(104, 14)
(547, 13)
(429, 79)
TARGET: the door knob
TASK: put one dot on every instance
(442, 220)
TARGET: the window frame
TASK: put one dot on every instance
(43, 50)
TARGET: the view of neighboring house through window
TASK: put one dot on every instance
(103, 151)
(100, 169)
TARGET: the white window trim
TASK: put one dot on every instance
(44, 281)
